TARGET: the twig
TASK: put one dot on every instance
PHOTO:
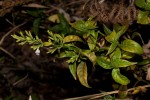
(7, 53)
(100, 95)
(2, 39)
(20, 80)
(10, 22)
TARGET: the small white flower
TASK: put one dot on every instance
(30, 98)
(37, 52)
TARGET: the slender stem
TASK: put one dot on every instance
(100, 95)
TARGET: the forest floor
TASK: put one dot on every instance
(23, 73)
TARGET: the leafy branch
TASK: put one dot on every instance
(35, 42)
(86, 43)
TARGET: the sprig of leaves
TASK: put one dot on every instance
(83, 46)
(27, 37)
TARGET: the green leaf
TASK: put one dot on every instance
(84, 26)
(51, 50)
(72, 38)
(67, 54)
(117, 27)
(90, 55)
(63, 27)
(91, 42)
(36, 25)
(109, 97)
(91, 46)
(131, 46)
(94, 34)
(35, 13)
(106, 30)
(35, 42)
(71, 47)
(111, 37)
(122, 94)
(119, 78)
(49, 43)
(82, 74)
(122, 30)
(127, 55)
(140, 3)
(73, 70)
(147, 6)
(73, 59)
(144, 4)
(112, 47)
(103, 62)
(116, 54)
(144, 62)
(117, 63)
(34, 97)
(143, 17)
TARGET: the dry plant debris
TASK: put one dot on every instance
(7, 5)
(107, 11)
(112, 11)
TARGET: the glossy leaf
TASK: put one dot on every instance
(140, 3)
(131, 46)
(116, 54)
(143, 17)
(117, 63)
(117, 27)
(112, 47)
(119, 78)
(84, 26)
(127, 55)
(111, 37)
(54, 18)
(94, 34)
(104, 63)
(73, 59)
(48, 43)
(91, 46)
(144, 4)
(106, 30)
(122, 30)
(72, 38)
(90, 55)
(82, 74)
(73, 70)
(91, 43)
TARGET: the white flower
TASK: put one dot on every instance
(37, 52)
(30, 98)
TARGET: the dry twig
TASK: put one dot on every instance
(3, 38)
(100, 95)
